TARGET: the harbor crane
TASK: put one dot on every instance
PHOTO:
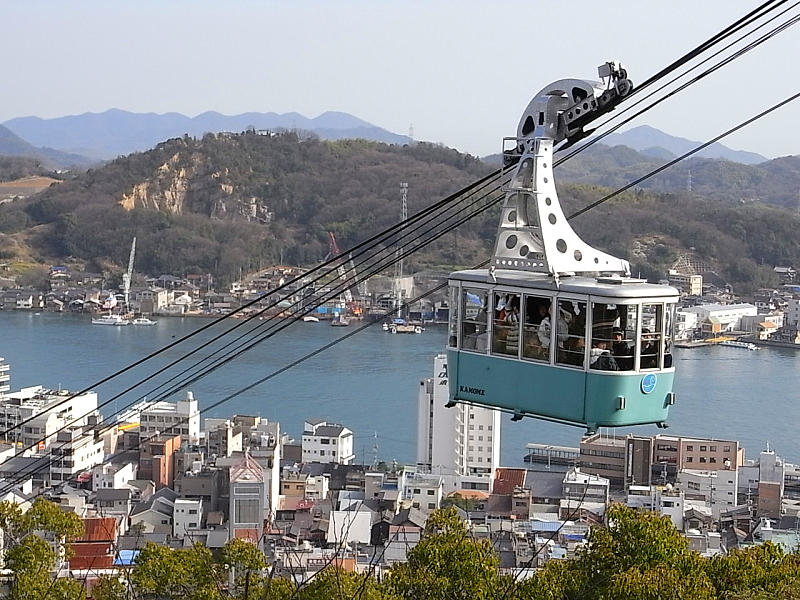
(334, 252)
(126, 277)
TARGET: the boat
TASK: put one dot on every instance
(143, 321)
(340, 321)
(402, 326)
(310, 319)
(110, 320)
(735, 344)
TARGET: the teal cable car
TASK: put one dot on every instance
(554, 328)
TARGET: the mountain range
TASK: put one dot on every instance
(95, 137)
(653, 142)
(106, 135)
(13, 145)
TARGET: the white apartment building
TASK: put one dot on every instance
(187, 516)
(5, 377)
(685, 324)
(73, 452)
(44, 412)
(107, 476)
(171, 418)
(718, 318)
(665, 500)
(326, 442)
(583, 492)
(318, 486)
(462, 440)
(715, 488)
(425, 492)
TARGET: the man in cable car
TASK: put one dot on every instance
(621, 350)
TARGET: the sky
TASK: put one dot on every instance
(459, 72)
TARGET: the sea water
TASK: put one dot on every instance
(369, 381)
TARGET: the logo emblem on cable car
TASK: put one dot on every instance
(648, 383)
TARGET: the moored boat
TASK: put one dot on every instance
(736, 344)
(143, 321)
(110, 320)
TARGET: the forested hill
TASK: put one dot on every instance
(227, 204)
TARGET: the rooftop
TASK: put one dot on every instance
(507, 479)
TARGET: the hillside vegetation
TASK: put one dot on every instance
(227, 204)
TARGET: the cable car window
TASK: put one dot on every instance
(652, 335)
(453, 317)
(669, 315)
(505, 329)
(613, 336)
(571, 333)
(474, 333)
(535, 337)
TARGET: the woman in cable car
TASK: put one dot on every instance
(554, 328)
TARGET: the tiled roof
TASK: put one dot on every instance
(113, 494)
(99, 529)
(328, 431)
(507, 479)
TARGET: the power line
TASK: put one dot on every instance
(685, 155)
(374, 240)
(740, 52)
(33, 468)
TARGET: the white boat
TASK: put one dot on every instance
(143, 321)
(735, 344)
(402, 326)
(110, 320)
(310, 319)
(340, 321)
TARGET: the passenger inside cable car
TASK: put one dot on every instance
(537, 319)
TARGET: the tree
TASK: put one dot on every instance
(247, 563)
(30, 558)
(334, 583)
(190, 574)
(448, 563)
(36, 277)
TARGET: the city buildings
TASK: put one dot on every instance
(642, 460)
(76, 450)
(461, 440)
(44, 412)
(249, 504)
(5, 377)
(327, 442)
(169, 418)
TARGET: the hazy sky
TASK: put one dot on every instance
(460, 72)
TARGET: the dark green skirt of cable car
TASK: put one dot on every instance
(590, 352)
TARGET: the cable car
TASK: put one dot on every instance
(555, 329)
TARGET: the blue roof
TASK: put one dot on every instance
(545, 525)
(126, 558)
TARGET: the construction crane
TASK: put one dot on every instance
(126, 277)
(334, 252)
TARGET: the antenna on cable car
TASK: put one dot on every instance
(534, 234)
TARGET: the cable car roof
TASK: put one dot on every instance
(610, 287)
